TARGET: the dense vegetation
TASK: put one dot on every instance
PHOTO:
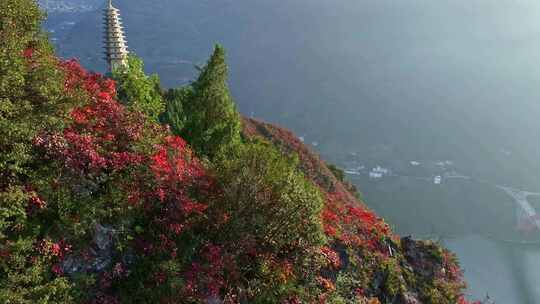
(137, 90)
(100, 203)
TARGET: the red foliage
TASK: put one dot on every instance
(28, 53)
(354, 225)
(206, 278)
(102, 138)
(292, 300)
(35, 203)
(5, 252)
(331, 256)
(51, 249)
(57, 269)
(176, 171)
(344, 217)
(165, 181)
(175, 174)
(325, 283)
(452, 270)
(462, 300)
(102, 132)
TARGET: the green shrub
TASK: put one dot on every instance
(267, 197)
(137, 90)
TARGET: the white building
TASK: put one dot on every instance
(375, 175)
(115, 42)
(380, 170)
(352, 172)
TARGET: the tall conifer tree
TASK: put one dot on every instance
(213, 121)
(175, 102)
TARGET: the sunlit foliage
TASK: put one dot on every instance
(137, 90)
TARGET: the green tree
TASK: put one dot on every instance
(268, 198)
(31, 99)
(213, 121)
(174, 115)
(30, 84)
(137, 90)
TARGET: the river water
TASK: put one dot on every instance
(476, 220)
(506, 272)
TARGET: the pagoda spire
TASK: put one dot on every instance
(116, 49)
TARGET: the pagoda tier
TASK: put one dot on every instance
(115, 44)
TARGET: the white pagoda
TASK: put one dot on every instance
(115, 41)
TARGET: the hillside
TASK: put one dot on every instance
(114, 191)
(311, 164)
(425, 261)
